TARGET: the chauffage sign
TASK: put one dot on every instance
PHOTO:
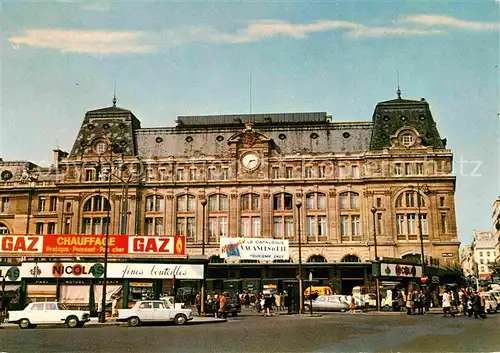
(92, 244)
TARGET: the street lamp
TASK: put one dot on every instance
(202, 304)
(377, 289)
(425, 189)
(298, 204)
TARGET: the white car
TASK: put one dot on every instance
(490, 303)
(154, 311)
(495, 294)
(48, 313)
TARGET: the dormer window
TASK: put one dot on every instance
(101, 147)
(407, 140)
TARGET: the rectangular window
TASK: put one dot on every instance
(288, 198)
(379, 202)
(480, 254)
(289, 226)
(67, 225)
(275, 172)
(278, 227)
(53, 204)
(41, 204)
(192, 174)
(398, 169)
(310, 226)
(488, 253)
(255, 226)
(150, 204)
(163, 174)
(39, 228)
(151, 174)
(180, 226)
(408, 169)
(400, 221)
(86, 226)
(223, 227)
(443, 223)
(212, 227)
(211, 174)
(441, 201)
(103, 174)
(96, 226)
(159, 226)
(223, 203)
(308, 172)
(423, 222)
(380, 226)
(419, 168)
(51, 228)
(244, 226)
(481, 261)
(355, 224)
(321, 171)
(191, 227)
(5, 205)
(289, 172)
(411, 223)
(354, 199)
(68, 206)
(344, 225)
(89, 175)
(160, 204)
(321, 201)
(180, 174)
(255, 203)
(410, 200)
(224, 174)
(341, 171)
(355, 171)
(321, 226)
(343, 201)
(310, 202)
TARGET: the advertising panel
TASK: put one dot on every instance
(254, 248)
(88, 245)
(10, 273)
(114, 270)
(399, 270)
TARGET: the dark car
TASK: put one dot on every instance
(233, 307)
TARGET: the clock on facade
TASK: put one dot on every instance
(250, 161)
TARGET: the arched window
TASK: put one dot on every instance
(317, 258)
(218, 206)
(409, 205)
(414, 257)
(186, 217)
(250, 215)
(153, 223)
(283, 215)
(351, 258)
(3, 229)
(95, 215)
(315, 227)
(350, 219)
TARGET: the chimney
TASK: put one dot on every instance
(58, 156)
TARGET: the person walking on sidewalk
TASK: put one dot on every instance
(447, 304)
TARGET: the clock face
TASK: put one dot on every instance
(250, 161)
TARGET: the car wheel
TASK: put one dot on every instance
(24, 323)
(234, 314)
(72, 321)
(180, 319)
(134, 321)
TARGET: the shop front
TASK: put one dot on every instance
(80, 285)
(10, 277)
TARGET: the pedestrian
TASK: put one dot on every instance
(268, 305)
(222, 305)
(278, 301)
(478, 306)
(352, 306)
(447, 309)
(247, 300)
(421, 302)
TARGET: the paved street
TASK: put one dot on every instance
(252, 333)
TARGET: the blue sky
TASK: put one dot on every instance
(62, 58)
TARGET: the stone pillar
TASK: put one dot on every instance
(170, 223)
(333, 217)
(266, 215)
(233, 229)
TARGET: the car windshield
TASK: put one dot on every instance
(61, 306)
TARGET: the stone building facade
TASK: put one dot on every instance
(253, 170)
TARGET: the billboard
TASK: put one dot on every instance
(88, 245)
(254, 248)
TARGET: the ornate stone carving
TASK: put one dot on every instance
(299, 195)
(234, 196)
(170, 197)
(332, 194)
(266, 195)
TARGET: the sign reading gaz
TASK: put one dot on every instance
(21, 244)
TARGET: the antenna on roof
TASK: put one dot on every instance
(114, 95)
(398, 92)
(250, 94)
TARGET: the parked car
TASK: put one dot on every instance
(327, 303)
(233, 307)
(496, 295)
(153, 311)
(490, 303)
(48, 313)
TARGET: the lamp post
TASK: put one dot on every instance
(298, 204)
(425, 190)
(202, 304)
(377, 289)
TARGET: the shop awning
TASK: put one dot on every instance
(11, 287)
